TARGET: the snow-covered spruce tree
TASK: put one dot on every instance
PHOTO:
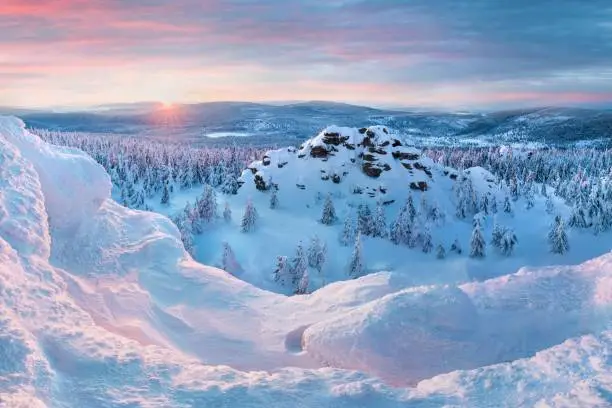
(364, 219)
(543, 190)
(529, 199)
(507, 242)
(477, 243)
(461, 209)
(557, 237)
(440, 252)
(456, 247)
(426, 240)
(401, 230)
(165, 199)
(207, 204)
(282, 273)
(347, 235)
(328, 216)
(494, 209)
(550, 205)
(299, 266)
(484, 204)
(379, 226)
(228, 260)
(227, 213)
(184, 227)
(497, 234)
(273, 199)
(249, 218)
(229, 185)
(317, 252)
(302, 286)
(578, 218)
(355, 267)
(410, 209)
(507, 205)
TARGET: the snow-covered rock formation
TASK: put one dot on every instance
(369, 163)
(100, 306)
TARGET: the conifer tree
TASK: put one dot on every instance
(249, 218)
(477, 243)
(557, 237)
(165, 200)
(299, 266)
(364, 219)
(427, 244)
(497, 234)
(328, 217)
(507, 242)
(273, 199)
(347, 235)
(227, 213)
(507, 205)
(355, 267)
(440, 252)
(317, 252)
(228, 260)
(282, 273)
(379, 226)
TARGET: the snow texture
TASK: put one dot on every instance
(101, 306)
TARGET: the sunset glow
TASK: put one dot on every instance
(437, 53)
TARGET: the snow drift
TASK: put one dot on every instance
(100, 306)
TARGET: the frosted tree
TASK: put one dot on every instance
(497, 234)
(578, 218)
(328, 216)
(427, 244)
(507, 242)
(557, 237)
(529, 199)
(550, 205)
(507, 205)
(379, 226)
(227, 213)
(456, 247)
(409, 208)
(364, 219)
(494, 209)
(317, 252)
(228, 260)
(543, 190)
(477, 243)
(440, 252)
(274, 199)
(347, 235)
(165, 199)
(229, 185)
(299, 266)
(249, 218)
(302, 285)
(484, 204)
(355, 267)
(282, 273)
(207, 204)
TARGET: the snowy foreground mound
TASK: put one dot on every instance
(100, 306)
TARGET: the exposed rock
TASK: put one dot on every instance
(260, 183)
(396, 143)
(404, 155)
(407, 165)
(253, 170)
(334, 138)
(377, 150)
(370, 170)
(385, 130)
(386, 167)
(363, 130)
(301, 186)
(421, 185)
(266, 161)
(388, 202)
(325, 178)
(419, 166)
(281, 165)
(318, 151)
(370, 133)
(336, 178)
(369, 158)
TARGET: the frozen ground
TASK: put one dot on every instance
(102, 307)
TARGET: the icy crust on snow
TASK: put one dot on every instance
(105, 309)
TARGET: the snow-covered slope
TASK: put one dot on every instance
(100, 306)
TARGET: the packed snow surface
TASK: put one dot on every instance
(100, 306)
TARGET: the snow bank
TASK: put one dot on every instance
(102, 307)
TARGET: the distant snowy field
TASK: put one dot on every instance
(101, 306)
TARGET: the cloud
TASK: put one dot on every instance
(394, 46)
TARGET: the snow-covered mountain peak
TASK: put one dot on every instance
(342, 161)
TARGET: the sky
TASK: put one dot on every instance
(430, 53)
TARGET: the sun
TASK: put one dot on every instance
(166, 105)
